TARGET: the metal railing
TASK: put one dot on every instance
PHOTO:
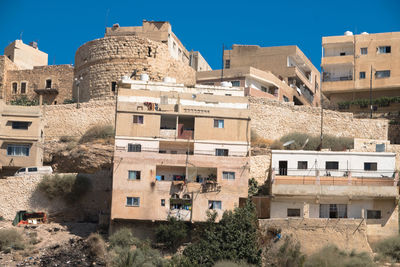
(338, 78)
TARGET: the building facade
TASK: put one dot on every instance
(348, 62)
(337, 185)
(24, 74)
(255, 83)
(288, 63)
(21, 135)
(179, 151)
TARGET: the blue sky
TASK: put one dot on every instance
(60, 27)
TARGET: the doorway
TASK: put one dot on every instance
(283, 167)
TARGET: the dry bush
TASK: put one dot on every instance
(389, 249)
(98, 132)
(328, 142)
(69, 186)
(11, 239)
(67, 139)
(258, 141)
(97, 245)
(332, 256)
(277, 145)
(232, 264)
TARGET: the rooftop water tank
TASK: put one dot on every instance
(144, 77)
(348, 33)
(226, 84)
(364, 33)
(169, 80)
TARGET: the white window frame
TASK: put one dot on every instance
(18, 150)
(219, 123)
(215, 204)
(133, 201)
(228, 175)
(135, 173)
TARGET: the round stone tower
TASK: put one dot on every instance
(102, 62)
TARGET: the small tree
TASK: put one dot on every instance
(24, 101)
(234, 238)
(172, 233)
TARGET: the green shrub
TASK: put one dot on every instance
(98, 132)
(130, 251)
(389, 248)
(231, 264)
(1, 218)
(332, 256)
(11, 239)
(328, 142)
(253, 187)
(289, 254)
(123, 238)
(172, 233)
(69, 186)
(234, 238)
(24, 101)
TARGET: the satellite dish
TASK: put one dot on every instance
(288, 143)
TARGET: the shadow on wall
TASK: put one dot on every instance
(93, 206)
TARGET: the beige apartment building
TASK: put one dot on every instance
(349, 60)
(255, 83)
(179, 151)
(161, 31)
(21, 134)
(288, 63)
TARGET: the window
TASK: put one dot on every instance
(374, 214)
(362, 74)
(302, 165)
(333, 211)
(370, 166)
(227, 64)
(23, 88)
(342, 53)
(382, 74)
(18, 150)
(48, 84)
(134, 147)
(214, 205)
(235, 83)
(221, 152)
(218, 123)
(163, 202)
(20, 125)
(384, 49)
(14, 88)
(293, 212)
(133, 201)
(33, 169)
(332, 165)
(285, 98)
(364, 50)
(113, 86)
(228, 175)
(133, 175)
(138, 119)
(264, 89)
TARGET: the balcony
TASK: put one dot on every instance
(168, 133)
(335, 60)
(328, 77)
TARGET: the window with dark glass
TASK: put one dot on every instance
(20, 125)
(133, 201)
(14, 88)
(370, 166)
(113, 86)
(362, 74)
(364, 50)
(302, 165)
(384, 49)
(134, 147)
(221, 152)
(138, 119)
(374, 214)
(332, 165)
(48, 84)
(23, 88)
(227, 64)
(293, 212)
(382, 74)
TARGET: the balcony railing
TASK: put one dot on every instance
(338, 78)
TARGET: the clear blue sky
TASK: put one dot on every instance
(60, 27)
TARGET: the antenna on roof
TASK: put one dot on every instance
(222, 69)
(106, 19)
(20, 35)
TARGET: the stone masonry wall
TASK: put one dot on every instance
(103, 61)
(272, 119)
(68, 120)
(5, 65)
(61, 77)
(20, 193)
